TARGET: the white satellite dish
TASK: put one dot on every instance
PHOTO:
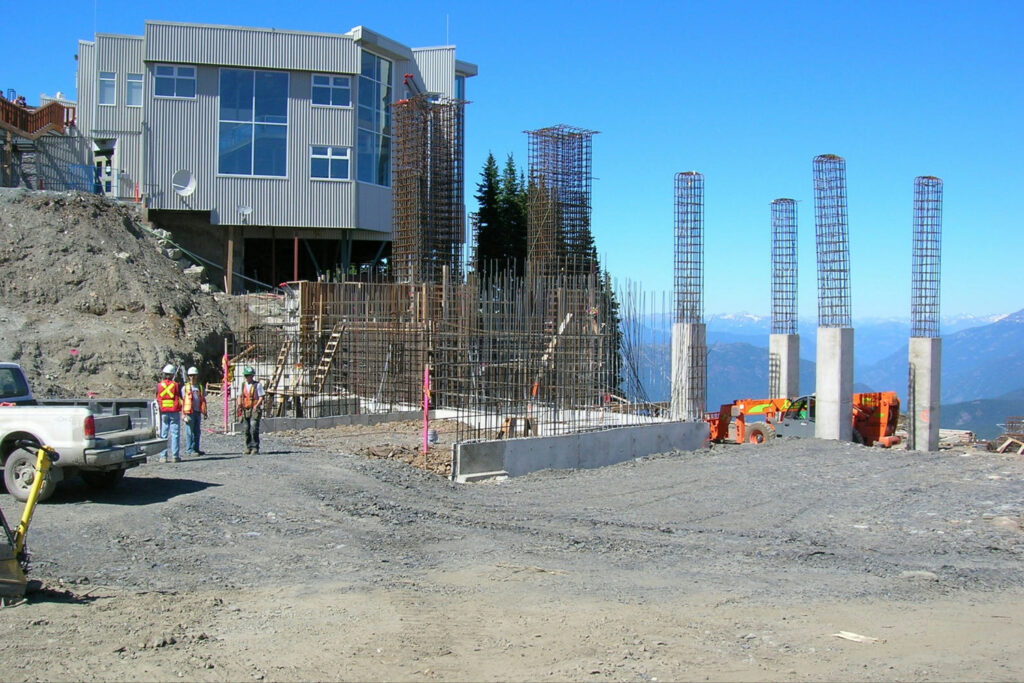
(183, 182)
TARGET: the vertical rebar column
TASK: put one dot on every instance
(784, 342)
(559, 200)
(427, 192)
(925, 348)
(689, 353)
(834, 378)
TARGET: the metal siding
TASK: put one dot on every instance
(437, 67)
(374, 207)
(251, 47)
(120, 54)
(85, 97)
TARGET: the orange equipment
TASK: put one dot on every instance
(874, 417)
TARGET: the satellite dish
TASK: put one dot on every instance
(183, 182)
(245, 210)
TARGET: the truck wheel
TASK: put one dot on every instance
(20, 472)
(759, 433)
(102, 481)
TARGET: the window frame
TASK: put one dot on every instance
(175, 77)
(112, 81)
(329, 156)
(380, 134)
(253, 123)
(331, 87)
(128, 82)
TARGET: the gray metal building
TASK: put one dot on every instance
(267, 152)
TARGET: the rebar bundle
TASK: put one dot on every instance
(926, 257)
(427, 188)
(784, 267)
(832, 238)
(558, 200)
(689, 247)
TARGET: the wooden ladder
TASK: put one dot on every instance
(327, 358)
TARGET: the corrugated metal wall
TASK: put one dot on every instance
(122, 55)
(437, 67)
(252, 47)
(85, 113)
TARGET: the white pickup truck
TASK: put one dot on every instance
(96, 438)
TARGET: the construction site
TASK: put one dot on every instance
(578, 530)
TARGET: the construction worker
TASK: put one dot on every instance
(168, 399)
(250, 409)
(193, 406)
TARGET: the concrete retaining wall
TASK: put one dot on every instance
(472, 460)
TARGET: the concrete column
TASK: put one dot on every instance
(923, 401)
(834, 384)
(784, 366)
(689, 371)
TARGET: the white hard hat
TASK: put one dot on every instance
(193, 371)
(168, 369)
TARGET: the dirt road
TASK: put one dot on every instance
(309, 562)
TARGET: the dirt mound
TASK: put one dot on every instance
(92, 303)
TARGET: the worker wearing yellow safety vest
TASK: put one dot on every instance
(193, 405)
(168, 400)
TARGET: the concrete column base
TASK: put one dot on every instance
(923, 393)
(689, 371)
(784, 366)
(834, 384)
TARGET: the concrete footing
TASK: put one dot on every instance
(274, 424)
(689, 371)
(923, 393)
(473, 460)
(834, 384)
(784, 366)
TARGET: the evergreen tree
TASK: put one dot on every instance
(512, 208)
(489, 236)
(613, 320)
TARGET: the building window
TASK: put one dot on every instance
(329, 163)
(460, 87)
(332, 91)
(253, 123)
(174, 81)
(108, 87)
(373, 161)
(133, 94)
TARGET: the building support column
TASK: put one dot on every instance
(689, 371)
(923, 393)
(834, 384)
(784, 366)
(229, 260)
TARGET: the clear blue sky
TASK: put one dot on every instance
(745, 92)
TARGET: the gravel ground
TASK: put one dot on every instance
(312, 561)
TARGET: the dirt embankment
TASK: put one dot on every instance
(92, 302)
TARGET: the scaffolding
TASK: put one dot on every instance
(832, 239)
(926, 257)
(784, 267)
(428, 188)
(558, 201)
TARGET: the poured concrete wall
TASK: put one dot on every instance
(784, 366)
(834, 384)
(689, 371)
(923, 401)
(473, 460)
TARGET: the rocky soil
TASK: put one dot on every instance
(313, 561)
(90, 302)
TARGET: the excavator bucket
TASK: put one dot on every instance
(12, 578)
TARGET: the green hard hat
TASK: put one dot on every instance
(249, 370)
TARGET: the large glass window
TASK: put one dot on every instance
(460, 87)
(253, 123)
(174, 81)
(329, 163)
(333, 91)
(374, 119)
(133, 90)
(108, 87)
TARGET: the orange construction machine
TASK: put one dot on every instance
(756, 420)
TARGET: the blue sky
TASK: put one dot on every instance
(745, 92)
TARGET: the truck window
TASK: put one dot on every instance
(801, 409)
(12, 384)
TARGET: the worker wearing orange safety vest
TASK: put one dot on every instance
(250, 409)
(168, 400)
(193, 405)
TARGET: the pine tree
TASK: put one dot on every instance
(489, 235)
(512, 208)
